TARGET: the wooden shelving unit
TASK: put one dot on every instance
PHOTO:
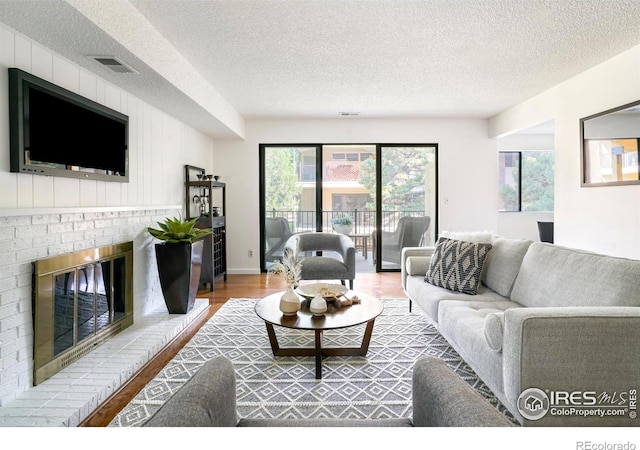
(206, 200)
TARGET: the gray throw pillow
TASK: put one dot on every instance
(457, 265)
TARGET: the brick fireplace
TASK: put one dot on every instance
(70, 395)
(80, 300)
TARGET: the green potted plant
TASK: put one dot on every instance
(179, 259)
(342, 224)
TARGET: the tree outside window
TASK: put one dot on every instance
(403, 176)
(282, 192)
(526, 181)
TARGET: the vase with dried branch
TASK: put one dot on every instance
(290, 269)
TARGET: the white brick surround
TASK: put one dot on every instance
(25, 238)
(42, 216)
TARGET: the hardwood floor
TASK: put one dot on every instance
(382, 285)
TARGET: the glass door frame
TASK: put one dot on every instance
(434, 223)
(262, 149)
(318, 190)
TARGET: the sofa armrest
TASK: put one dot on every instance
(409, 252)
(208, 399)
(443, 399)
(571, 349)
(417, 265)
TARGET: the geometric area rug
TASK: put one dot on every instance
(377, 385)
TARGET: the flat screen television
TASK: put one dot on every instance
(56, 132)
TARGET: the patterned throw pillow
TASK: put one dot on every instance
(457, 265)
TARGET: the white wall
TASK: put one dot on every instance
(46, 216)
(524, 225)
(600, 219)
(159, 145)
(468, 198)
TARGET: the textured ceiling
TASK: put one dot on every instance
(316, 58)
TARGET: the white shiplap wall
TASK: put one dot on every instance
(159, 145)
(45, 216)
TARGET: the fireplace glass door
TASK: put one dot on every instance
(92, 286)
(79, 303)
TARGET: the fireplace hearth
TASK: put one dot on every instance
(80, 300)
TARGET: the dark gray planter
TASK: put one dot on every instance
(179, 268)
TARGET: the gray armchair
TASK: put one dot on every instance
(409, 232)
(276, 234)
(440, 399)
(324, 267)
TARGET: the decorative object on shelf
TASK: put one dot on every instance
(318, 305)
(289, 269)
(216, 177)
(179, 259)
(342, 224)
(210, 193)
(204, 205)
(200, 176)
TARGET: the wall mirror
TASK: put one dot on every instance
(609, 147)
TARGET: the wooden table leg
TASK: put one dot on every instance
(318, 354)
(273, 340)
(364, 348)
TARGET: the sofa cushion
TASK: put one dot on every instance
(551, 275)
(323, 267)
(428, 296)
(462, 323)
(503, 263)
(494, 330)
(478, 237)
(457, 265)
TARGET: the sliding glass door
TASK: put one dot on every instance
(384, 194)
(407, 203)
(348, 195)
(288, 196)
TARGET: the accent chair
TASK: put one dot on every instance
(323, 267)
(276, 233)
(409, 232)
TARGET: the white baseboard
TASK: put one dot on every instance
(243, 271)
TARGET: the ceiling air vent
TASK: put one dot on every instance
(114, 64)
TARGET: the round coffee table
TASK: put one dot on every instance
(268, 309)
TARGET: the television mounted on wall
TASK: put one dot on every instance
(56, 132)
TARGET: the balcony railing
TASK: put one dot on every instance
(363, 221)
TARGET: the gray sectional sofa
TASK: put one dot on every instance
(547, 321)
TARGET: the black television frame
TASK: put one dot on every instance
(19, 80)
